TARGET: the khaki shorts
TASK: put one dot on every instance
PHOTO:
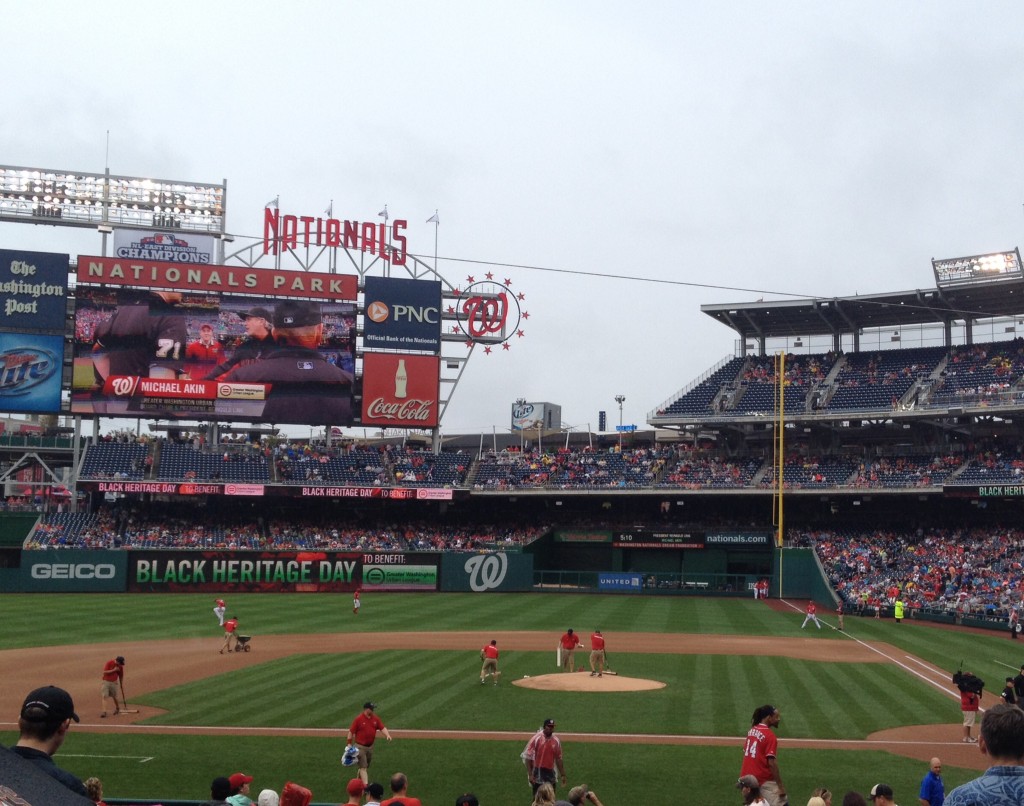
(969, 717)
(490, 665)
(365, 756)
(108, 688)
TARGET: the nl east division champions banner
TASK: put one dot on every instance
(204, 354)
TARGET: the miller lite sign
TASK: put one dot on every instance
(400, 390)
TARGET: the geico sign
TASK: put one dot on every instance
(74, 571)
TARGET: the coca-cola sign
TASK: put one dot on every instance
(400, 390)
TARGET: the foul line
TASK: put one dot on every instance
(941, 687)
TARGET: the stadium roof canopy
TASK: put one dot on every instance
(839, 315)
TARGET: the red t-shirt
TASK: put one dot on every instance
(812, 608)
(489, 652)
(570, 641)
(597, 641)
(545, 750)
(969, 701)
(364, 729)
(112, 671)
(230, 625)
(761, 745)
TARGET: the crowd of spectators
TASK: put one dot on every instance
(135, 528)
(966, 571)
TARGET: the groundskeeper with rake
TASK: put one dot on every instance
(113, 675)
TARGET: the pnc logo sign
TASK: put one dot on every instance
(377, 311)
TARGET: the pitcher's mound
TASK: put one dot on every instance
(582, 681)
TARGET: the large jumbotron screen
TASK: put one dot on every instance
(195, 345)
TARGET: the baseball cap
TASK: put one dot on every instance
(239, 778)
(371, 705)
(748, 780)
(206, 326)
(881, 791)
(294, 313)
(375, 790)
(268, 797)
(120, 659)
(355, 786)
(549, 723)
(258, 313)
(48, 703)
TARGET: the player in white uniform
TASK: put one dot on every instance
(218, 611)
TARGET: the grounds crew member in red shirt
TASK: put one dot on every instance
(113, 673)
(596, 654)
(489, 655)
(362, 733)
(759, 755)
(229, 632)
(568, 642)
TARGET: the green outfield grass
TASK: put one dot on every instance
(705, 695)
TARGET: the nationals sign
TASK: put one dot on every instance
(400, 389)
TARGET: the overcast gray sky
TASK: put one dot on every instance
(811, 148)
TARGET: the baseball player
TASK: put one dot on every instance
(145, 339)
(489, 655)
(113, 673)
(218, 610)
(356, 604)
(596, 654)
(568, 642)
(812, 615)
(759, 755)
(362, 733)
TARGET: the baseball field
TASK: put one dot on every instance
(870, 704)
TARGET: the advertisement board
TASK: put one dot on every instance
(73, 570)
(620, 583)
(237, 572)
(402, 314)
(31, 372)
(400, 389)
(400, 572)
(33, 290)
(529, 416)
(177, 246)
(167, 354)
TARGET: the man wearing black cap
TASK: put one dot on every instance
(881, 795)
(362, 733)
(304, 387)
(44, 723)
(113, 674)
(258, 343)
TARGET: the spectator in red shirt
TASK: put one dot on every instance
(399, 786)
(543, 755)
(362, 733)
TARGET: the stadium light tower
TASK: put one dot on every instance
(620, 399)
